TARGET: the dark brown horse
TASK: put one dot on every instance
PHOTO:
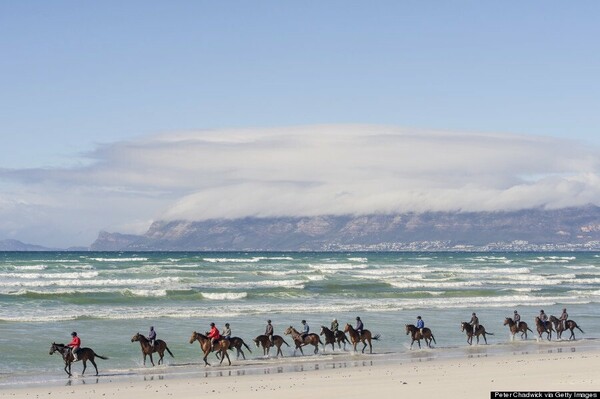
(84, 355)
(480, 330)
(416, 335)
(331, 337)
(221, 347)
(558, 325)
(237, 343)
(365, 337)
(543, 329)
(148, 349)
(267, 344)
(512, 326)
(309, 339)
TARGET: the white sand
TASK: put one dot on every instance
(450, 378)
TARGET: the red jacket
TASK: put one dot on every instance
(214, 333)
(75, 342)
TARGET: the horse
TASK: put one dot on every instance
(267, 344)
(148, 349)
(237, 343)
(309, 339)
(364, 337)
(558, 325)
(416, 335)
(331, 337)
(539, 325)
(84, 354)
(513, 327)
(221, 347)
(480, 330)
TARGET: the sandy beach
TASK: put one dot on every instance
(447, 378)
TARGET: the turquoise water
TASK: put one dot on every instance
(108, 297)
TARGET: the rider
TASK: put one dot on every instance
(269, 331)
(152, 336)
(420, 324)
(214, 336)
(359, 325)
(305, 329)
(517, 319)
(544, 319)
(334, 325)
(226, 333)
(563, 318)
(474, 322)
(75, 345)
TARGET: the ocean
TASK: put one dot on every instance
(108, 297)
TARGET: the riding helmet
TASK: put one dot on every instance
(268, 321)
(73, 334)
(212, 324)
(303, 321)
(357, 318)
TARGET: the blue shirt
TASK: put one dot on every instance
(420, 323)
(306, 329)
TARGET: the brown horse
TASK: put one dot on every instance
(512, 326)
(148, 349)
(331, 337)
(571, 325)
(267, 344)
(84, 355)
(221, 347)
(416, 335)
(309, 339)
(541, 329)
(237, 343)
(364, 337)
(480, 330)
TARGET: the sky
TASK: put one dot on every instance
(116, 114)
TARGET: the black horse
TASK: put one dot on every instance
(84, 355)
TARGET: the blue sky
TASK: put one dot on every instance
(82, 79)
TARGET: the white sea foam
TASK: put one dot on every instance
(33, 276)
(426, 284)
(297, 284)
(93, 283)
(119, 259)
(333, 267)
(232, 260)
(221, 296)
(145, 293)
(362, 260)
(31, 267)
(582, 267)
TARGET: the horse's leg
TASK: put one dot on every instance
(484, 338)
(364, 346)
(94, 363)
(84, 366)
(67, 364)
(151, 360)
(317, 348)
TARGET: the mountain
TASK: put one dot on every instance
(532, 229)
(15, 245)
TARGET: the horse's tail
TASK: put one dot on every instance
(169, 350)
(377, 337)
(101, 357)
(283, 340)
(247, 347)
(577, 327)
(529, 329)
(489, 333)
(433, 338)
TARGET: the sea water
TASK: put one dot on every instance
(107, 297)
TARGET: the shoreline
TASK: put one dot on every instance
(455, 377)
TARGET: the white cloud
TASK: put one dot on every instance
(296, 171)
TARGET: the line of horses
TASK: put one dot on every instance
(222, 346)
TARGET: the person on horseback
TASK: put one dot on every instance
(269, 331)
(305, 329)
(75, 345)
(359, 325)
(563, 318)
(152, 336)
(544, 319)
(420, 324)
(226, 333)
(517, 319)
(474, 322)
(334, 325)
(214, 336)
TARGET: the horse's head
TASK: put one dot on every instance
(136, 337)
(347, 327)
(256, 342)
(322, 330)
(408, 328)
(53, 348)
(508, 320)
(462, 325)
(193, 337)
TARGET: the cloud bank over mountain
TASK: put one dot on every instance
(293, 171)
